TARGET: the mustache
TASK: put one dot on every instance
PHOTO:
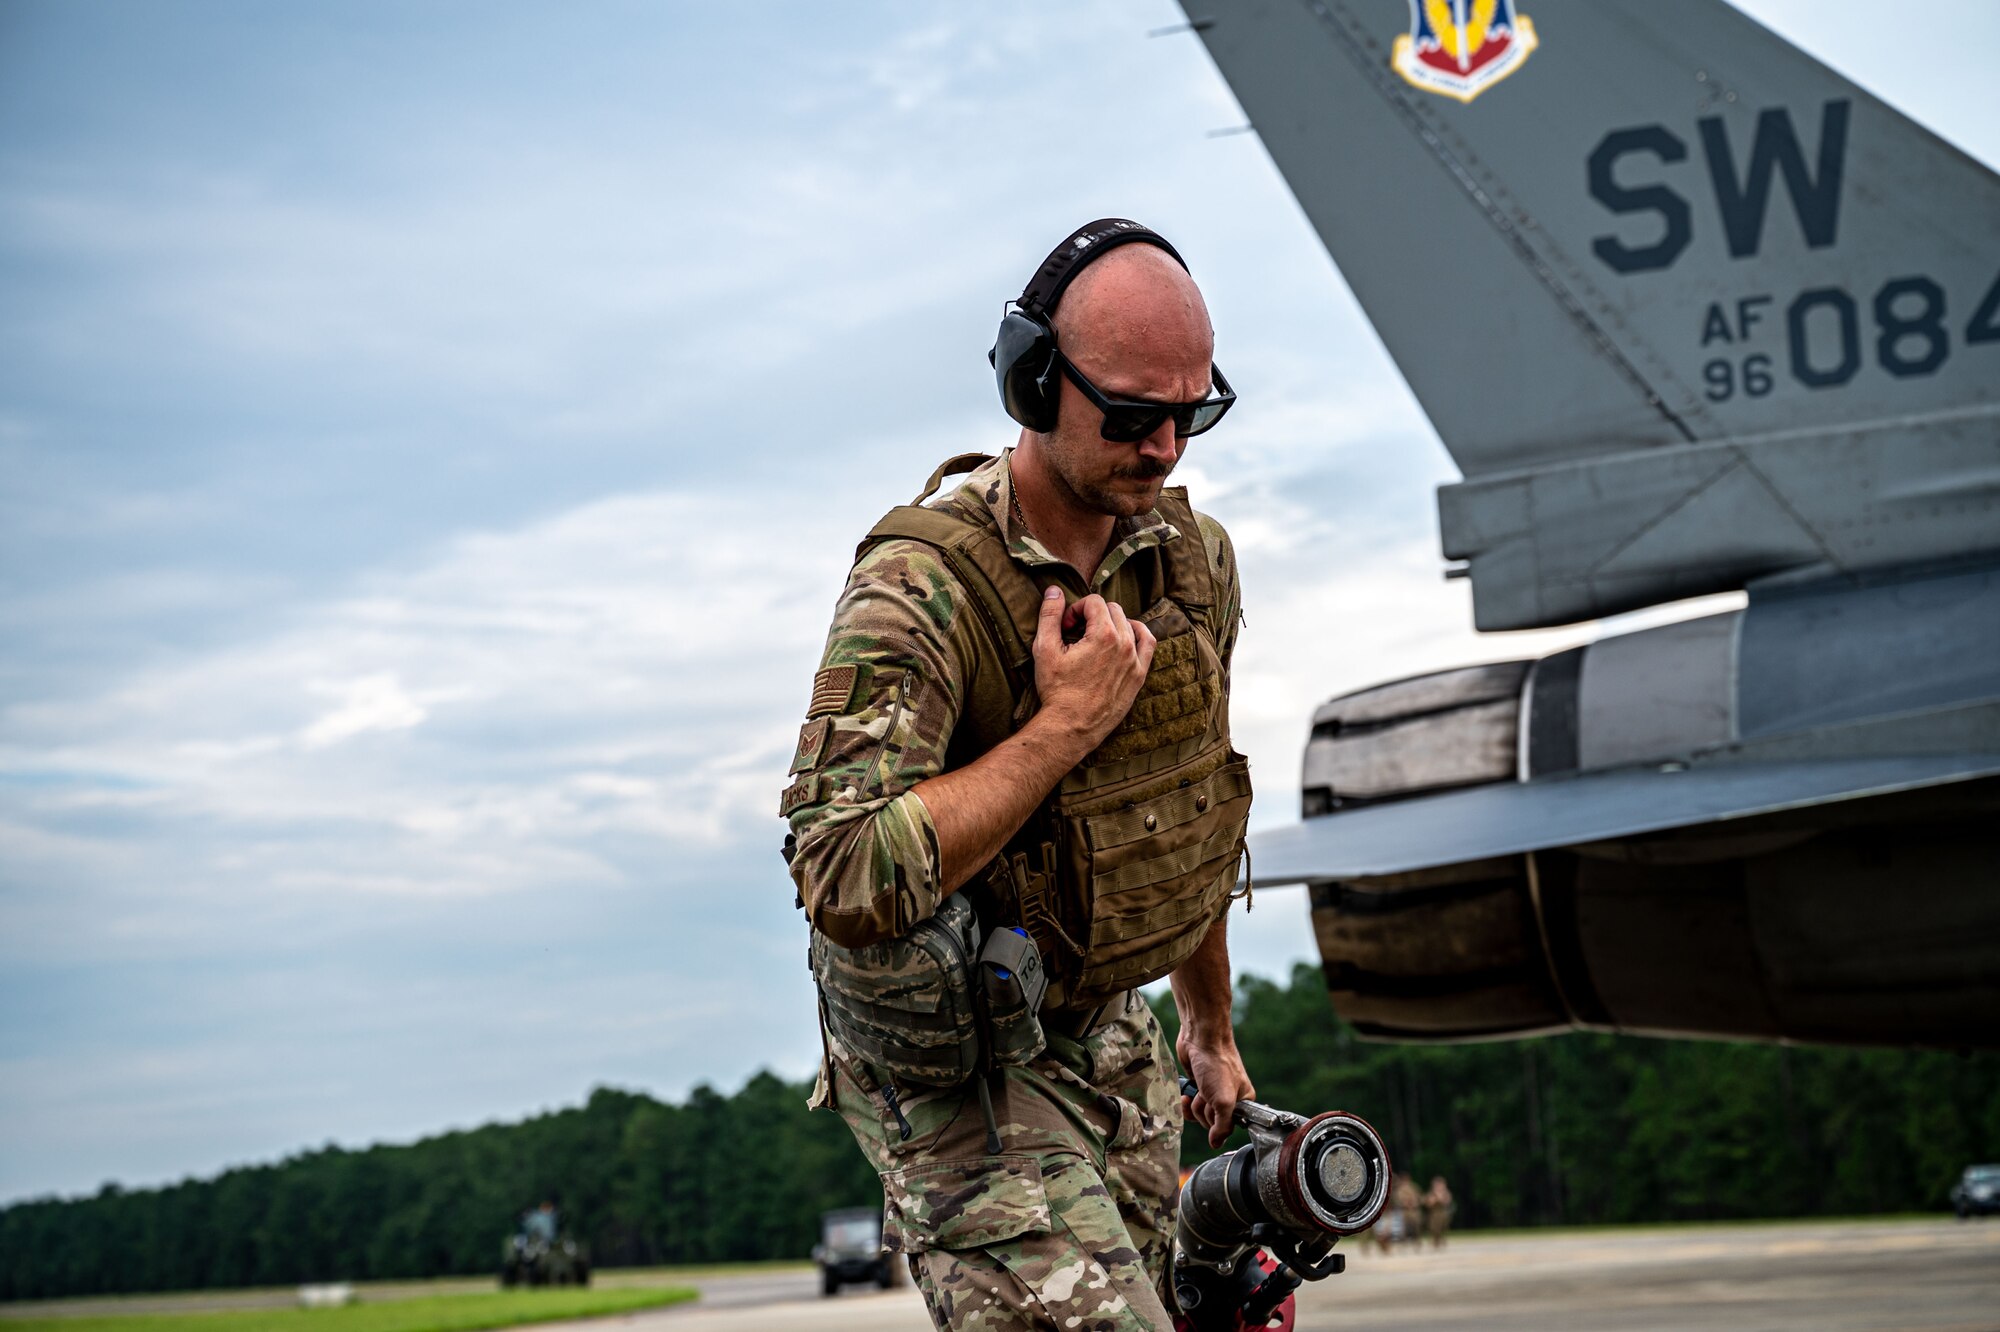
(1146, 469)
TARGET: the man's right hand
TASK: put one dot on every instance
(1089, 685)
(1086, 689)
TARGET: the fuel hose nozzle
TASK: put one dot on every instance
(1298, 1186)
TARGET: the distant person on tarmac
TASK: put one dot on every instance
(1408, 1203)
(1437, 1210)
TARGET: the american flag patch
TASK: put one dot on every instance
(832, 688)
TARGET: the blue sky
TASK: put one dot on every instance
(431, 438)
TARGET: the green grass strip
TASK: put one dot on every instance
(435, 1313)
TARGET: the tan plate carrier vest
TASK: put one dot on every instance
(1119, 874)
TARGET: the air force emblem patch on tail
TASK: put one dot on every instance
(1460, 48)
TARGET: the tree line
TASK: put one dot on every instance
(1577, 1129)
(1589, 1129)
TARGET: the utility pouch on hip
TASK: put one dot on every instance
(1010, 968)
(908, 1005)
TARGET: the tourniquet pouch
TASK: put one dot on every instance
(1010, 968)
(907, 1005)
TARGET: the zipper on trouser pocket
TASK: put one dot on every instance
(993, 1145)
(893, 1099)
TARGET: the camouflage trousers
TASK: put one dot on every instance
(1069, 1226)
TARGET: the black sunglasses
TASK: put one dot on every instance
(1127, 420)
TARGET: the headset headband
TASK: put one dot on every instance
(1068, 259)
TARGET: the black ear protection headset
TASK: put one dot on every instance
(1024, 353)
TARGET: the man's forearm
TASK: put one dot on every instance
(1207, 1045)
(976, 808)
(1202, 991)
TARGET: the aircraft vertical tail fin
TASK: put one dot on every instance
(1591, 231)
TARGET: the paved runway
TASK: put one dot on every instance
(1937, 1275)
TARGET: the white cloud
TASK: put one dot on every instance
(632, 666)
(369, 703)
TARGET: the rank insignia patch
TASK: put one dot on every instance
(1460, 48)
(812, 743)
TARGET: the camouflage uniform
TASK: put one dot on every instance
(1069, 1226)
(1072, 1220)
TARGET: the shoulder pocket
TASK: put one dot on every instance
(963, 1204)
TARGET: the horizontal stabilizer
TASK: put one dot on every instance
(1514, 817)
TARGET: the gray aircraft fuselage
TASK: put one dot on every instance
(1692, 313)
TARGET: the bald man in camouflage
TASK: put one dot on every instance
(1106, 782)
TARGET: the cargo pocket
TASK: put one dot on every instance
(963, 1204)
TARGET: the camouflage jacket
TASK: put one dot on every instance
(888, 693)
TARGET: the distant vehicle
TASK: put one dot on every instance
(539, 1254)
(1977, 1192)
(327, 1295)
(850, 1249)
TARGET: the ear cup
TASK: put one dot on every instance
(1023, 355)
(1023, 359)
